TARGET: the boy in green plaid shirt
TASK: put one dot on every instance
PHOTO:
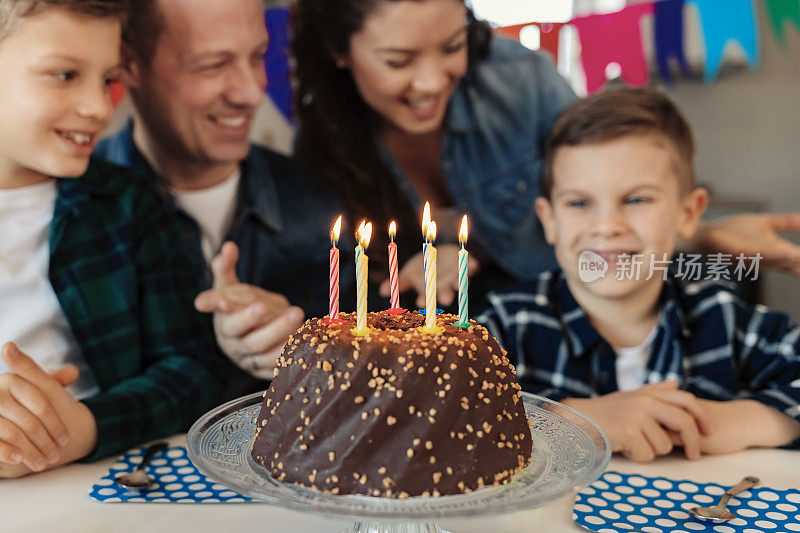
(102, 347)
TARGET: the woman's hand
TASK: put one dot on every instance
(412, 276)
(752, 234)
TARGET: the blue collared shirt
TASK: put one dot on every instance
(495, 129)
(284, 212)
(713, 344)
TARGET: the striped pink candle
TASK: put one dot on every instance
(334, 278)
(334, 271)
(394, 291)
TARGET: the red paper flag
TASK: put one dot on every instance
(613, 38)
(117, 91)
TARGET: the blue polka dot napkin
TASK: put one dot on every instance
(621, 502)
(176, 481)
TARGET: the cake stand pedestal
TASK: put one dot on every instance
(383, 527)
(569, 451)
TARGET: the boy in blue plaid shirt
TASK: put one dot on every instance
(655, 361)
(92, 286)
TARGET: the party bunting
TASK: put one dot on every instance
(621, 36)
(723, 21)
(781, 12)
(669, 38)
(276, 60)
(549, 35)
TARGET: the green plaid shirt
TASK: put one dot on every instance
(127, 291)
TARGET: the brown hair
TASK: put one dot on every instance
(336, 126)
(611, 115)
(11, 11)
(143, 28)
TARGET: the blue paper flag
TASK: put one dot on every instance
(276, 60)
(669, 37)
(723, 21)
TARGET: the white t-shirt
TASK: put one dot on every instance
(213, 209)
(30, 314)
(632, 363)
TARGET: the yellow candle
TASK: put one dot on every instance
(430, 280)
(426, 221)
(362, 266)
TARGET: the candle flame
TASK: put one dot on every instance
(431, 233)
(364, 233)
(359, 229)
(463, 231)
(336, 229)
(426, 219)
(392, 229)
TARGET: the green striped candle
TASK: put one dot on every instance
(463, 278)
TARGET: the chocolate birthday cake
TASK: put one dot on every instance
(395, 413)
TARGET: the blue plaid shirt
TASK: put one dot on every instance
(713, 344)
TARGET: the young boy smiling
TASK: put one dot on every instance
(105, 351)
(653, 360)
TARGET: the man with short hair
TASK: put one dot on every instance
(195, 73)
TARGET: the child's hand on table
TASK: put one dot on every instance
(740, 424)
(647, 422)
(41, 424)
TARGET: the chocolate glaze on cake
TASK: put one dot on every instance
(396, 413)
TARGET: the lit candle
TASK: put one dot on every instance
(463, 279)
(430, 283)
(334, 274)
(394, 292)
(364, 234)
(426, 220)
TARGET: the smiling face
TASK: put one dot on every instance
(198, 94)
(619, 199)
(54, 99)
(407, 60)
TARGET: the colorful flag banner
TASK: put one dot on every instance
(549, 35)
(724, 21)
(621, 40)
(669, 38)
(780, 12)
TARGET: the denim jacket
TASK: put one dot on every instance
(496, 126)
(283, 217)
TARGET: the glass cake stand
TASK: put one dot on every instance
(569, 451)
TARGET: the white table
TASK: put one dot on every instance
(57, 501)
